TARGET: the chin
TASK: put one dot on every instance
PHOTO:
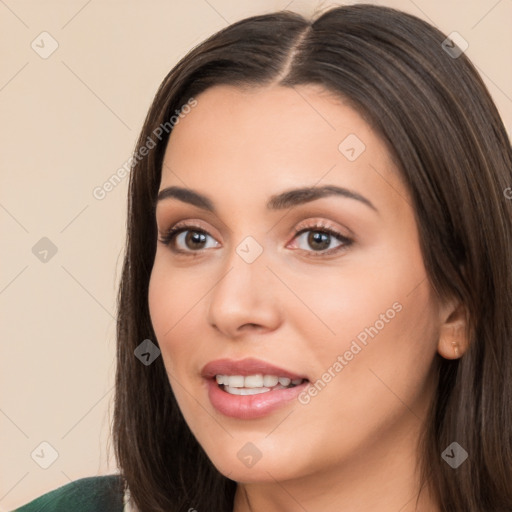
(247, 466)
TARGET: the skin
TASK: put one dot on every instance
(353, 447)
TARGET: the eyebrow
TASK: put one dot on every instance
(280, 201)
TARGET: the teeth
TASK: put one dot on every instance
(246, 391)
(235, 381)
(256, 381)
(270, 381)
(253, 381)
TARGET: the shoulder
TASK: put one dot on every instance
(90, 494)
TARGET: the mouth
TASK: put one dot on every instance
(250, 388)
(255, 384)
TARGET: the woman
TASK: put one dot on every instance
(314, 311)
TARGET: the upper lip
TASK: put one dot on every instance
(244, 367)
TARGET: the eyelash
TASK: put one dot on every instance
(170, 235)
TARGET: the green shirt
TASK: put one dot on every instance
(91, 494)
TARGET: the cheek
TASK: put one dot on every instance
(380, 355)
(360, 303)
(170, 301)
(381, 318)
(174, 299)
(172, 293)
(161, 300)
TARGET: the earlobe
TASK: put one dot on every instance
(453, 332)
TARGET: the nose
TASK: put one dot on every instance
(244, 299)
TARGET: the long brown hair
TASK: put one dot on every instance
(435, 114)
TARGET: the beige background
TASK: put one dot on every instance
(68, 122)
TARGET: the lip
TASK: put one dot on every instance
(247, 407)
(244, 367)
(250, 407)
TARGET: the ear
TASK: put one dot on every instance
(453, 330)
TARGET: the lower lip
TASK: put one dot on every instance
(248, 407)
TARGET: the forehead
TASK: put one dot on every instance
(288, 121)
(274, 138)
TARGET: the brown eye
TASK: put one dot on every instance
(187, 239)
(317, 239)
(195, 239)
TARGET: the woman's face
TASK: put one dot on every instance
(325, 286)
